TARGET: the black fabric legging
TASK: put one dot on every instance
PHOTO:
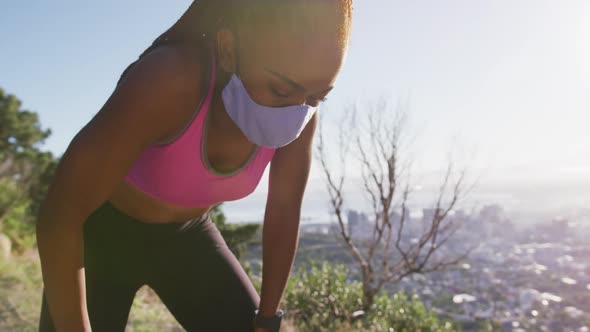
(187, 264)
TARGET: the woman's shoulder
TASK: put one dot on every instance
(181, 67)
(183, 64)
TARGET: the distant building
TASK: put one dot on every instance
(492, 222)
(555, 230)
(396, 215)
(428, 215)
(460, 215)
(353, 221)
(492, 213)
(358, 224)
(322, 228)
(412, 226)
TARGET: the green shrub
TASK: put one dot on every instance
(404, 313)
(15, 217)
(321, 298)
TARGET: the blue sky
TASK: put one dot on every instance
(506, 79)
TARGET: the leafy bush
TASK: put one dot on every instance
(322, 298)
(15, 219)
(404, 313)
(25, 170)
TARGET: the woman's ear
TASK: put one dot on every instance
(226, 50)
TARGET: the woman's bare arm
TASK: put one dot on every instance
(288, 178)
(155, 98)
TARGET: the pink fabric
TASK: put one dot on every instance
(176, 174)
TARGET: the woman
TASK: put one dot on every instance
(231, 87)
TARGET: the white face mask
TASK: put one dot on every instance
(271, 127)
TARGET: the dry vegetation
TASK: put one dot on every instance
(20, 300)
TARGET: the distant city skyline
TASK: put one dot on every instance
(505, 83)
(523, 203)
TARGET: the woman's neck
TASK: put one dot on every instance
(221, 123)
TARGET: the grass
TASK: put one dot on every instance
(20, 292)
(149, 314)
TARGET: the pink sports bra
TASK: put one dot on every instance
(179, 172)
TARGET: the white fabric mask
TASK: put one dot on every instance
(271, 127)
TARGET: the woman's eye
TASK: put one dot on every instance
(278, 93)
(317, 101)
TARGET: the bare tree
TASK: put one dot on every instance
(387, 257)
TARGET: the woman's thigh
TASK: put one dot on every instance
(203, 284)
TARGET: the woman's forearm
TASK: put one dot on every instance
(61, 249)
(279, 244)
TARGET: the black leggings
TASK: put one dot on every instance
(187, 264)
